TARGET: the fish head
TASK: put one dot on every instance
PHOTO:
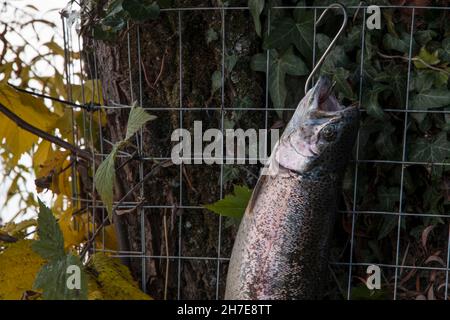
(321, 133)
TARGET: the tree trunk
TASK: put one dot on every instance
(158, 74)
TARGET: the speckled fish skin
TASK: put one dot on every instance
(281, 249)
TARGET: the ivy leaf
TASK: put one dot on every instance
(50, 245)
(279, 66)
(165, 3)
(445, 52)
(293, 64)
(429, 99)
(230, 62)
(396, 80)
(387, 197)
(259, 61)
(115, 23)
(371, 101)
(140, 11)
(211, 35)
(54, 277)
(233, 205)
(424, 36)
(104, 179)
(137, 118)
(256, 8)
(216, 81)
(388, 224)
(430, 58)
(400, 44)
(340, 76)
(277, 85)
(286, 31)
(424, 150)
(384, 143)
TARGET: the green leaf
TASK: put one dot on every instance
(233, 205)
(424, 150)
(340, 76)
(361, 292)
(430, 99)
(115, 23)
(385, 143)
(277, 86)
(211, 35)
(371, 103)
(216, 81)
(165, 3)
(445, 52)
(256, 7)
(389, 223)
(279, 66)
(396, 80)
(140, 11)
(54, 277)
(286, 32)
(106, 174)
(50, 245)
(259, 61)
(424, 36)
(293, 64)
(400, 44)
(114, 8)
(429, 58)
(230, 62)
(104, 179)
(387, 197)
(137, 118)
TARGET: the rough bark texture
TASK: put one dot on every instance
(200, 183)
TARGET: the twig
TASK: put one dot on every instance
(144, 71)
(166, 240)
(7, 238)
(87, 106)
(160, 69)
(42, 134)
(414, 59)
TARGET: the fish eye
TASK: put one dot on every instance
(329, 133)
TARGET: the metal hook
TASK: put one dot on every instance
(327, 51)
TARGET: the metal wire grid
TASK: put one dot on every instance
(88, 124)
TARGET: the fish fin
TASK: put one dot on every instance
(255, 194)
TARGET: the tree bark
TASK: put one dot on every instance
(159, 78)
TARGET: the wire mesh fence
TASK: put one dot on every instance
(350, 265)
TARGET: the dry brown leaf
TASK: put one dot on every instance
(425, 234)
(430, 294)
(435, 259)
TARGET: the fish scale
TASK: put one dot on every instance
(281, 249)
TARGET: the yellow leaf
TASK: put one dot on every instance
(15, 140)
(56, 172)
(13, 229)
(19, 265)
(43, 152)
(114, 279)
(429, 58)
(73, 229)
(106, 239)
(27, 107)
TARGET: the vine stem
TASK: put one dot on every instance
(414, 59)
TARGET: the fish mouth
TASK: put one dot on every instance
(324, 100)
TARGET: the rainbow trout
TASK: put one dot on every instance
(281, 248)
